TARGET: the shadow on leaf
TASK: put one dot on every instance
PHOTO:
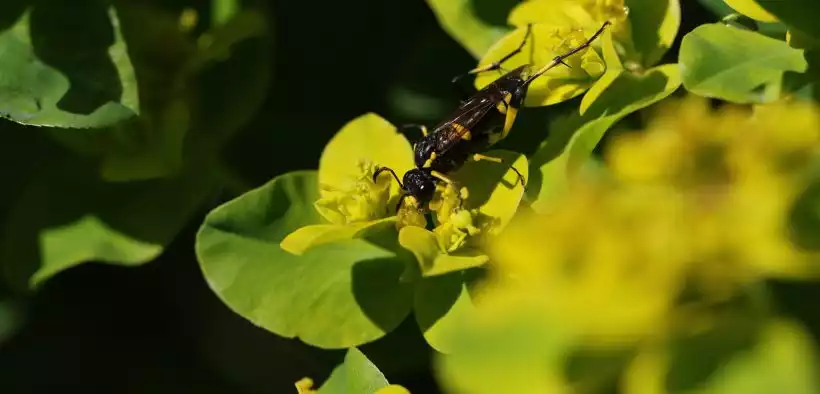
(74, 37)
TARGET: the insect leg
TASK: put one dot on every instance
(442, 177)
(480, 157)
(497, 64)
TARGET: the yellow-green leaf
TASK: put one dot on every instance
(367, 138)
(751, 9)
(575, 137)
(557, 85)
(356, 375)
(306, 237)
(393, 389)
(736, 65)
(432, 260)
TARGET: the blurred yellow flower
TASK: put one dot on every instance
(700, 202)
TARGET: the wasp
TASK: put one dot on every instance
(479, 122)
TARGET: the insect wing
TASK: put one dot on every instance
(463, 120)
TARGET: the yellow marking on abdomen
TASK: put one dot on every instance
(462, 131)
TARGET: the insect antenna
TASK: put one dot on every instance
(383, 169)
(560, 58)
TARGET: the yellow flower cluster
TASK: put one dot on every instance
(699, 202)
(358, 200)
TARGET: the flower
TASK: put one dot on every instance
(352, 203)
(546, 42)
(700, 204)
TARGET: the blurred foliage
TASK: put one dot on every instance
(655, 196)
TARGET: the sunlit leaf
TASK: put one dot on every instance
(459, 19)
(309, 236)
(574, 138)
(66, 65)
(557, 85)
(335, 295)
(356, 375)
(393, 389)
(368, 137)
(751, 9)
(732, 64)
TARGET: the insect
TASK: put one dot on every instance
(479, 122)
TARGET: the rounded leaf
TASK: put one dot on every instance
(335, 295)
(736, 65)
(367, 138)
(557, 85)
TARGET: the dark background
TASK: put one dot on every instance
(158, 328)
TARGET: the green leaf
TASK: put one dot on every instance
(335, 295)
(65, 64)
(356, 375)
(736, 65)
(440, 304)
(516, 350)
(306, 237)
(67, 216)
(654, 25)
(432, 260)
(459, 19)
(558, 84)
(800, 14)
(573, 138)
